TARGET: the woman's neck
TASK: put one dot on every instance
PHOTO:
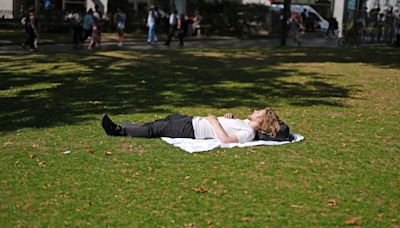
(254, 124)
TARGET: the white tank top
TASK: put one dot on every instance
(241, 128)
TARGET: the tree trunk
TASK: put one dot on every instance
(285, 16)
(37, 10)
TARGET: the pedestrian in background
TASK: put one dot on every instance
(87, 24)
(173, 23)
(196, 25)
(295, 27)
(31, 30)
(330, 32)
(98, 20)
(397, 22)
(76, 21)
(121, 18)
(95, 37)
(151, 24)
(182, 27)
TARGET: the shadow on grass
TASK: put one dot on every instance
(48, 90)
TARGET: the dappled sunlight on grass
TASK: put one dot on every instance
(20, 90)
(208, 53)
(144, 82)
(43, 67)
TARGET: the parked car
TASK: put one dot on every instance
(319, 21)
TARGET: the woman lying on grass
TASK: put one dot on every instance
(226, 129)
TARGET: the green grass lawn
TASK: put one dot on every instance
(344, 101)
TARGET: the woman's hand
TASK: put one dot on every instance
(229, 115)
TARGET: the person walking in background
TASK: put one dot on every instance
(31, 30)
(330, 32)
(121, 18)
(76, 21)
(173, 23)
(304, 16)
(183, 23)
(21, 12)
(196, 25)
(181, 28)
(87, 24)
(98, 20)
(397, 22)
(151, 24)
(95, 37)
(335, 26)
(294, 29)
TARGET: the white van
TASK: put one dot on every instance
(320, 22)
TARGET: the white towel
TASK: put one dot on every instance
(201, 145)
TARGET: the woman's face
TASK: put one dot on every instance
(257, 115)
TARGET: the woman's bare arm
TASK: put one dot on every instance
(221, 134)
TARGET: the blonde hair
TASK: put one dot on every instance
(270, 124)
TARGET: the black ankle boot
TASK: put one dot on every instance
(110, 127)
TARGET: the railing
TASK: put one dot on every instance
(372, 32)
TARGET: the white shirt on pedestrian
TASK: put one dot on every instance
(173, 19)
(151, 18)
(241, 128)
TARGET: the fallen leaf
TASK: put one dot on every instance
(8, 143)
(32, 155)
(380, 216)
(200, 190)
(41, 163)
(90, 151)
(246, 219)
(34, 145)
(187, 177)
(332, 202)
(108, 153)
(67, 152)
(352, 221)
(209, 222)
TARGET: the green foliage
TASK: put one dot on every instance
(344, 101)
(234, 18)
(114, 5)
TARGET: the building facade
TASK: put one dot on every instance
(6, 9)
(14, 8)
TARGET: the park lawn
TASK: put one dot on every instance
(344, 101)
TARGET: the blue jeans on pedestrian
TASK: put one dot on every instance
(152, 34)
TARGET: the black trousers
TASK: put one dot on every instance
(86, 34)
(398, 40)
(172, 30)
(174, 126)
(31, 39)
(77, 34)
